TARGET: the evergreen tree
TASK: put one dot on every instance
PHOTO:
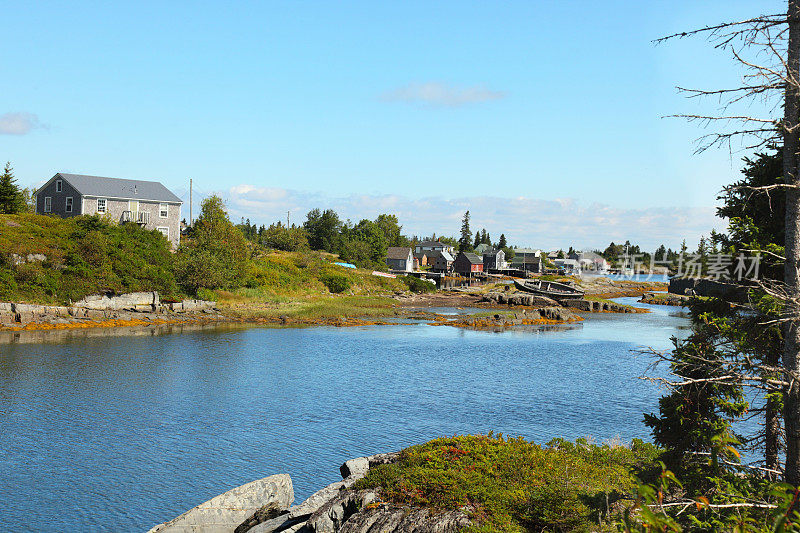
(323, 229)
(729, 338)
(478, 240)
(465, 242)
(502, 243)
(11, 198)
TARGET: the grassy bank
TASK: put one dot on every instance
(510, 484)
(300, 284)
(49, 260)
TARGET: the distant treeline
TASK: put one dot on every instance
(363, 244)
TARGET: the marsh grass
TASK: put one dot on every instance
(293, 284)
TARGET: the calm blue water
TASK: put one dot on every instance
(121, 433)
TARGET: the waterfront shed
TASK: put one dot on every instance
(467, 263)
(528, 260)
(400, 258)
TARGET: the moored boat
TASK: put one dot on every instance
(551, 289)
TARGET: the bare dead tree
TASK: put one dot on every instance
(791, 144)
(767, 47)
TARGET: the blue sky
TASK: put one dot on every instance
(542, 118)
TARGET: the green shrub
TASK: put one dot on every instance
(8, 285)
(418, 285)
(84, 255)
(196, 269)
(336, 283)
(217, 256)
(510, 484)
(289, 239)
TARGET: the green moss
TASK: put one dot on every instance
(510, 484)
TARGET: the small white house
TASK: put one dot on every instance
(400, 258)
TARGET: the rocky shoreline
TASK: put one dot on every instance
(147, 309)
(664, 298)
(131, 309)
(580, 304)
(265, 506)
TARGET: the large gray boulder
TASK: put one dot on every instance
(397, 519)
(131, 300)
(268, 512)
(295, 519)
(364, 512)
(357, 467)
(224, 513)
(301, 513)
(331, 517)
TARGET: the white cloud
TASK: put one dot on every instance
(525, 221)
(440, 94)
(18, 123)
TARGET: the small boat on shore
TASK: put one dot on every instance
(551, 289)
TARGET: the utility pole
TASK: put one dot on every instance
(190, 202)
(287, 219)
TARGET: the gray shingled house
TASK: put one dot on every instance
(433, 246)
(400, 258)
(494, 259)
(147, 203)
(439, 261)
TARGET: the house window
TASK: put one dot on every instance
(48, 204)
(163, 210)
(68, 205)
(59, 186)
(164, 231)
(101, 205)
